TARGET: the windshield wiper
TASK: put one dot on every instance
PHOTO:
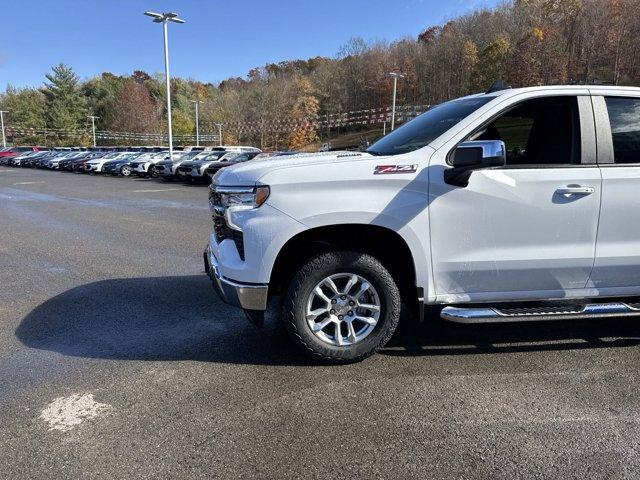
(377, 154)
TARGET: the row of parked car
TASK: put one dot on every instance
(193, 164)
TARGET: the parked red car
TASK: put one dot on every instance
(6, 154)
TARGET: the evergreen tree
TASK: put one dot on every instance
(66, 106)
(102, 97)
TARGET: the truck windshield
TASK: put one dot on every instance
(423, 130)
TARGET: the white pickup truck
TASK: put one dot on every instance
(512, 205)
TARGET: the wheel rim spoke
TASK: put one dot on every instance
(366, 306)
(318, 291)
(311, 316)
(363, 288)
(367, 320)
(352, 281)
(338, 334)
(352, 332)
(322, 324)
(330, 283)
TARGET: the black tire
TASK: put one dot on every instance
(331, 263)
(125, 170)
(152, 173)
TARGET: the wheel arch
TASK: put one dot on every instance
(385, 244)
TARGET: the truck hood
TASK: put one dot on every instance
(248, 173)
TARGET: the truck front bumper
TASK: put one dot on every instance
(245, 296)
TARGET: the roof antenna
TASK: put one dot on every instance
(497, 86)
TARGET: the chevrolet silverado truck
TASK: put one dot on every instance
(508, 206)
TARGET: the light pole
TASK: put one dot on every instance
(395, 76)
(219, 125)
(164, 19)
(4, 139)
(197, 102)
(93, 127)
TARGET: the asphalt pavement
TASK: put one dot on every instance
(118, 361)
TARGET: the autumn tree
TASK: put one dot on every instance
(492, 63)
(468, 64)
(303, 113)
(134, 110)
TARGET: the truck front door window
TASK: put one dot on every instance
(543, 131)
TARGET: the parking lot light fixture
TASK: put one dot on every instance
(165, 18)
(4, 139)
(395, 76)
(93, 127)
(219, 125)
(196, 103)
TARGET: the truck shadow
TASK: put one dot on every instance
(180, 318)
(155, 319)
(438, 337)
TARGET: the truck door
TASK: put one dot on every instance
(526, 230)
(617, 265)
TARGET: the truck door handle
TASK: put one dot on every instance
(575, 190)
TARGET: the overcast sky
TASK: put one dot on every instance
(220, 39)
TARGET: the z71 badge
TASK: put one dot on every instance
(390, 169)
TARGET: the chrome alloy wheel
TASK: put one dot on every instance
(126, 170)
(343, 309)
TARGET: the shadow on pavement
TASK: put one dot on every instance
(181, 318)
(157, 318)
(437, 337)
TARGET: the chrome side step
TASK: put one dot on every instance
(535, 314)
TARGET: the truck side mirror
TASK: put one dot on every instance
(474, 155)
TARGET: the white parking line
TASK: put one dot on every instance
(158, 190)
(27, 183)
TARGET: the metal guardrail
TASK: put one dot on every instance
(374, 116)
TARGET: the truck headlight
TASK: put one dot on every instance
(232, 200)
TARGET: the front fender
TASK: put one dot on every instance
(340, 194)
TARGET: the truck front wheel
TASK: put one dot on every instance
(342, 306)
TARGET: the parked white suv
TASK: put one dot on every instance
(95, 166)
(143, 165)
(168, 169)
(196, 169)
(513, 205)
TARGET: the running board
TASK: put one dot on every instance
(536, 314)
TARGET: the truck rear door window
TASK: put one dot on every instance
(624, 115)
